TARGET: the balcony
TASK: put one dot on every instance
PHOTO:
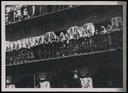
(97, 44)
(43, 16)
(61, 13)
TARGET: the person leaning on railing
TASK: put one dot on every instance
(25, 13)
(89, 30)
(30, 10)
(67, 44)
(62, 43)
(57, 45)
(35, 47)
(70, 41)
(18, 15)
(42, 46)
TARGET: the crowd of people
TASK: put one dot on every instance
(76, 40)
(22, 12)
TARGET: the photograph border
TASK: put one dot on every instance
(124, 89)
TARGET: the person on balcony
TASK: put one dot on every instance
(11, 15)
(30, 10)
(103, 30)
(33, 10)
(62, 43)
(109, 28)
(52, 39)
(89, 29)
(18, 14)
(25, 13)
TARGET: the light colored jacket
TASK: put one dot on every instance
(86, 82)
(45, 84)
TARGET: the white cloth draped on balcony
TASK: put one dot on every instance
(73, 32)
(89, 29)
(50, 37)
(62, 36)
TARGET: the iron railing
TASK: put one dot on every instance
(94, 43)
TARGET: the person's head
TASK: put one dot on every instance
(84, 71)
(57, 39)
(96, 32)
(109, 27)
(42, 76)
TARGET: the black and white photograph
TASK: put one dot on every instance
(63, 46)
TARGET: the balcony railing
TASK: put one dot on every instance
(55, 50)
(16, 16)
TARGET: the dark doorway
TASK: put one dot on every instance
(109, 77)
(65, 79)
(25, 81)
